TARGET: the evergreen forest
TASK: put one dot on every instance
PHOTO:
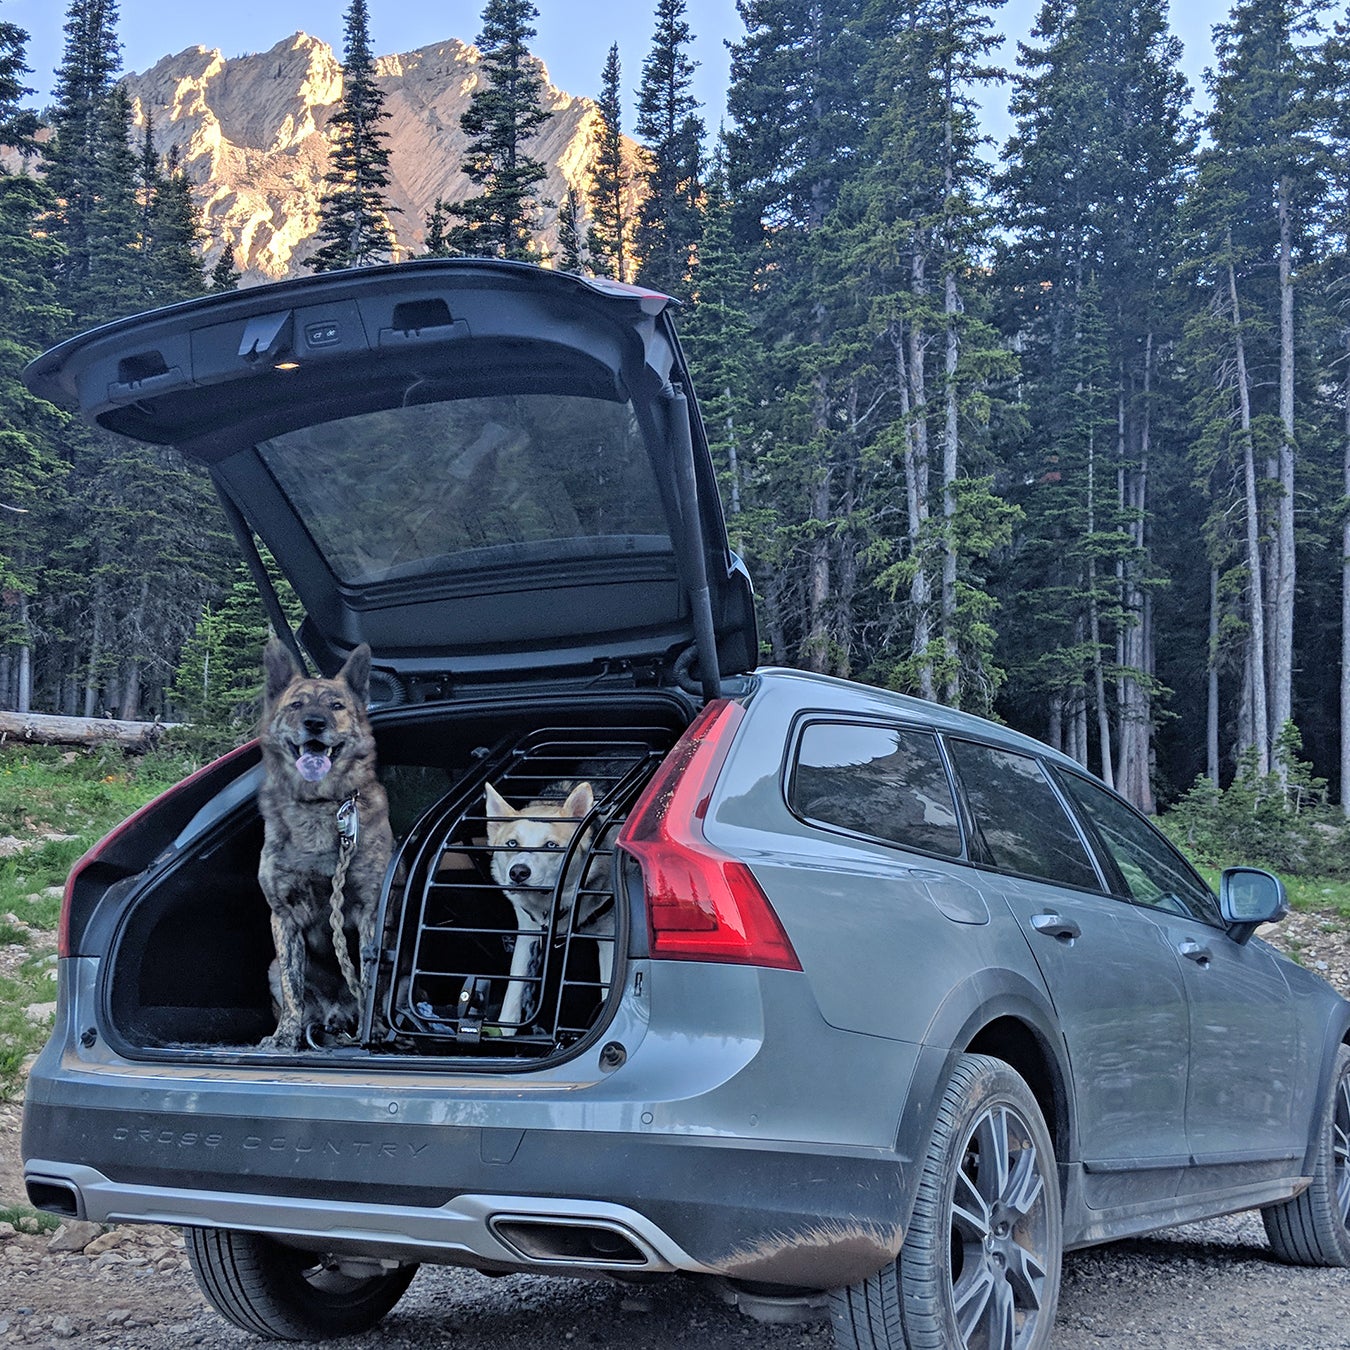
(1055, 430)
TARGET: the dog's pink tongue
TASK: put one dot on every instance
(312, 766)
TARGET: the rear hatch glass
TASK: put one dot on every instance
(472, 483)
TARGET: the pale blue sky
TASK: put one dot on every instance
(573, 35)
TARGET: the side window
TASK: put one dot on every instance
(1154, 872)
(1018, 818)
(886, 782)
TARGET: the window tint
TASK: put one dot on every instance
(881, 781)
(1154, 872)
(472, 483)
(1018, 817)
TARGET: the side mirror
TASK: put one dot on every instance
(1249, 897)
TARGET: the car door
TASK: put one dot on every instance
(1243, 1105)
(1114, 980)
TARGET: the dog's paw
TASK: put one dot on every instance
(280, 1040)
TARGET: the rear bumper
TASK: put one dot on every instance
(718, 1146)
(495, 1199)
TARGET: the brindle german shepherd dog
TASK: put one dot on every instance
(319, 755)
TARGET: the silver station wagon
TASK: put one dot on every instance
(872, 1007)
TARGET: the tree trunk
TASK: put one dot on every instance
(25, 691)
(46, 729)
(91, 679)
(1094, 624)
(131, 690)
(1212, 701)
(1260, 713)
(1282, 646)
(951, 693)
(817, 653)
(921, 590)
(916, 506)
(951, 306)
(1345, 595)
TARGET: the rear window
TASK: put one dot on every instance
(887, 782)
(472, 483)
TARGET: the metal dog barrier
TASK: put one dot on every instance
(444, 974)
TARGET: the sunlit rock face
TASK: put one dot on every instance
(253, 132)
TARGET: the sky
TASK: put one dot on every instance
(573, 36)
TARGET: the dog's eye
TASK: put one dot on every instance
(296, 703)
(336, 706)
(551, 843)
(511, 843)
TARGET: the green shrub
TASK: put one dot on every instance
(1281, 822)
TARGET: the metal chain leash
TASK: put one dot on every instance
(348, 828)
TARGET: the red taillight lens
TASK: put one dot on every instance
(702, 905)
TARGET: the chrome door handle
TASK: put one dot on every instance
(1194, 951)
(1055, 926)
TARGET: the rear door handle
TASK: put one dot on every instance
(1056, 926)
(1194, 951)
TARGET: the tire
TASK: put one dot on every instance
(980, 1265)
(1313, 1229)
(284, 1293)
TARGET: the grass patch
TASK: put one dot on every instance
(57, 804)
(1308, 895)
(28, 1220)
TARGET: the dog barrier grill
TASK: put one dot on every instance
(446, 987)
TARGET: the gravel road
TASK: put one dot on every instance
(1209, 1286)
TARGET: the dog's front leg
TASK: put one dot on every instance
(526, 961)
(290, 945)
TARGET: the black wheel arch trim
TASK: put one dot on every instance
(985, 998)
(1337, 1035)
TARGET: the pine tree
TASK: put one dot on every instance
(505, 112)
(1101, 121)
(570, 256)
(913, 234)
(609, 237)
(170, 233)
(1333, 90)
(31, 472)
(672, 153)
(437, 230)
(354, 209)
(91, 169)
(726, 358)
(1258, 189)
(798, 99)
(225, 276)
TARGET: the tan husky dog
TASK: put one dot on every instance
(529, 848)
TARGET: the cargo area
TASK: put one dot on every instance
(461, 972)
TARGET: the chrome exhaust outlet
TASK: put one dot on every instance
(564, 1241)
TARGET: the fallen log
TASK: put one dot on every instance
(49, 729)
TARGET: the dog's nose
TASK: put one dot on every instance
(520, 873)
(314, 725)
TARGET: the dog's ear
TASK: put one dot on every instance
(496, 805)
(579, 801)
(357, 673)
(280, 667)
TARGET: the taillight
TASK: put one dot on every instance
(702, 904)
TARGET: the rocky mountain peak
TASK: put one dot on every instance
(253, 132)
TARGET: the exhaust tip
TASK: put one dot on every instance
(54, 1197)
(572, 1242)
